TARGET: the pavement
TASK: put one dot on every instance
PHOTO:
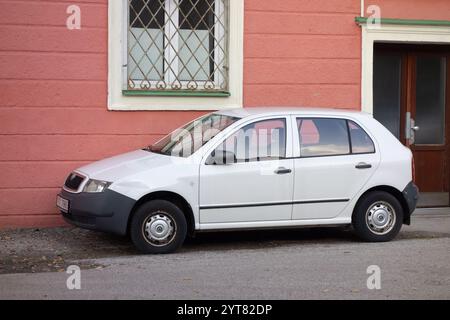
(323, 263)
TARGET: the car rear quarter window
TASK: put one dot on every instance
(323, 137)
(361, 142)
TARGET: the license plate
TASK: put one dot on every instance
(62, 204)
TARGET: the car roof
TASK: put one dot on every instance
(275, 111)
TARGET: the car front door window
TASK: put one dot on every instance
(258, 141)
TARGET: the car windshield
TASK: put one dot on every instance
(186, 140)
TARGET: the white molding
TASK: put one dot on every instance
(392, 34)
(116, 43)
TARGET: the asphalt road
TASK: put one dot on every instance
(289, 264)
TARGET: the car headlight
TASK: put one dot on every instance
(93, 186)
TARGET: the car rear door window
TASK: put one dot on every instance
(323, 137)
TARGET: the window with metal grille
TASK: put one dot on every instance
(177, 45)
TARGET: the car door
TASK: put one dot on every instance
(336, 158)
(258, 184)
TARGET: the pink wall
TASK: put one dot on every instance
(302, 52)
(53, 117)
(53, 86)
(413, 9)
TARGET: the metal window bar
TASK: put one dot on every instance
(177, 45)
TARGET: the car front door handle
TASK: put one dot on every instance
(363, 165)
(282, 170)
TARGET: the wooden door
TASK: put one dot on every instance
(412, 99)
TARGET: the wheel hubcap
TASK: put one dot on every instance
(380, 217)
(159, 229)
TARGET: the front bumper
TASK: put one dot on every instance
(411, 196)
(104, 211)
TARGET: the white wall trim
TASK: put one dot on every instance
(393, 34)
(116, 44)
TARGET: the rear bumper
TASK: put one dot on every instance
(104, 211)
(411, 196)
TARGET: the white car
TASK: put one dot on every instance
(248, 169)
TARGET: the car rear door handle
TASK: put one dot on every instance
(363, 165)
(283, 170)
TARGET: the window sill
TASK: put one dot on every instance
(181, 93)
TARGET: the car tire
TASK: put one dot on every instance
(158, 226)
(378, 217)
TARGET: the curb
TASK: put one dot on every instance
(445, 211)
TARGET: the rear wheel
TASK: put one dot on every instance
(378, 217)
(158, 226)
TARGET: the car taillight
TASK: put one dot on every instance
(413, 168)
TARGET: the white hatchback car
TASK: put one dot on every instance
(248, 169)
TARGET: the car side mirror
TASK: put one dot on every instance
(218, 157)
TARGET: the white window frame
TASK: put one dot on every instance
(117, 71)
(418, 34)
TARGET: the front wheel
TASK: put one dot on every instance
(158, 226)
(378, 217)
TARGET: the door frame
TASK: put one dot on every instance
(401, 34)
